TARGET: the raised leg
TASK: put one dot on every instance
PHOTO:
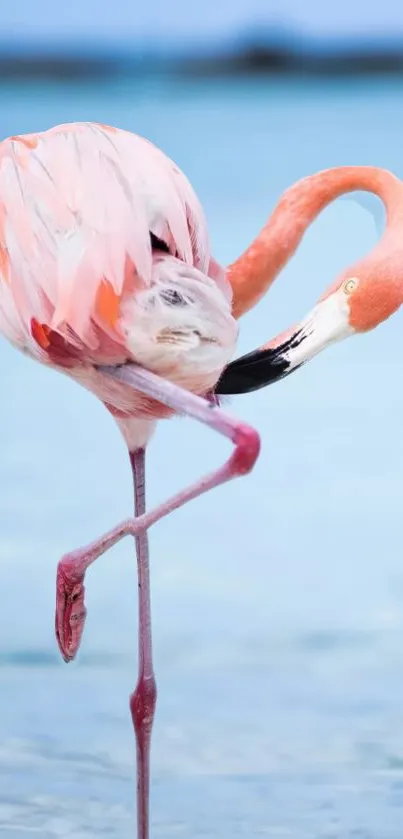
(143, 700)
(70, 609)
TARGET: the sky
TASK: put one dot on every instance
(125, 19)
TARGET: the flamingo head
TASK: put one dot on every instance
(357, 302)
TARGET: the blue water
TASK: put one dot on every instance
(277, 600)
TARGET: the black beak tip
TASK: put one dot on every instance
(252, 372)
(259, 368)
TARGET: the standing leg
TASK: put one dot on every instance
(143, 700)
(70, 609)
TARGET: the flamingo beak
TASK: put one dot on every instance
(258, 369)
(327, 323)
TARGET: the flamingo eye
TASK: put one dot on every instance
(350, 285)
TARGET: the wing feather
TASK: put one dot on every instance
(78, 205)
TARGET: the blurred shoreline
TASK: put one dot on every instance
(264, 55)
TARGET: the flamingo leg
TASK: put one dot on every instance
(143, 700)
(70, 591)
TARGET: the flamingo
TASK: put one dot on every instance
(106, 275)
(362, 297)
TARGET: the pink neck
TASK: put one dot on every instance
(253, 273)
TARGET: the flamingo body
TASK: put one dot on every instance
(105, 259)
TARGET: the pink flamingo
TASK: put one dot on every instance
(106, 275)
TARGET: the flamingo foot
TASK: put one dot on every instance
(70, 608)
(70, 591)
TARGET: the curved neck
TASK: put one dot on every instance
(253, 273)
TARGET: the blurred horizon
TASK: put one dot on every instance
(264, 51)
